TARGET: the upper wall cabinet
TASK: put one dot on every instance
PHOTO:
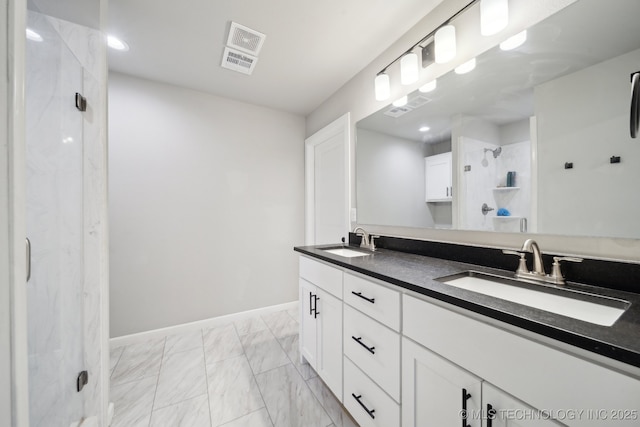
(439, 187)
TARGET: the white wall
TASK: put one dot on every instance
(595, 197)
(394, 168)
(206, 204)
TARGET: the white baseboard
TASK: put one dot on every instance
(200, 324)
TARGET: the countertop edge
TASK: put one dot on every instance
(593, 345)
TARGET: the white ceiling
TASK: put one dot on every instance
(312, 48)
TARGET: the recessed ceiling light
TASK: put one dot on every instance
(466, 67)
(32, 35)
(424, 128)
(117, 44)
(515, 41)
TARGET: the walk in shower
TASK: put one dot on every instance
(65, 200)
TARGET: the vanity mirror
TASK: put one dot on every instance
(539, 136)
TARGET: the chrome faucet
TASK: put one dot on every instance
(367, 241)
(538, 274)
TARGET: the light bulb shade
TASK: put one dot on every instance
(429, 87)
(382, 87)
(445, 44)
(401, 101)
(514, 41)
(409, 68)
(494, 16)
(466, 67)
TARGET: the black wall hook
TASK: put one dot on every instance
(568, 165)
(614, 159)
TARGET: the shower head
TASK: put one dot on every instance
(495, 152)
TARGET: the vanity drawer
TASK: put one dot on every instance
(322, 275)
(377, 301)
(363, 398)
(374, 348)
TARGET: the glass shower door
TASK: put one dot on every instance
(54, 226)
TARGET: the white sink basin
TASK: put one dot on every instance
(347, 253)
(591, 308)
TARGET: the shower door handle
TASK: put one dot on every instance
(634, 115)
(28, 256)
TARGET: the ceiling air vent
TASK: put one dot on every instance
(418, 101)
(245, 39)
(237, 60)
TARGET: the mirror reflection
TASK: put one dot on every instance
(535, 138)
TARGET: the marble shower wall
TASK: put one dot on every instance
(66, 222)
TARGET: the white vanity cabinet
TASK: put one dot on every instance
(575, 391)
(435, 392)
(321, 322)
(438, 176)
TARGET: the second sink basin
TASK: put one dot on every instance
(346, 252)
(592, 308)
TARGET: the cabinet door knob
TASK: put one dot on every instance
(491, 415)
(465, 396)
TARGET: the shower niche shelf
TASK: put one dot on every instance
(504, 218)
(505, 188)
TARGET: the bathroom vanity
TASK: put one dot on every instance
(400, 348)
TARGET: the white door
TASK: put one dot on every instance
(330, 341)
(436, 392)
(503, 410)
(327, 183)
(308, 336)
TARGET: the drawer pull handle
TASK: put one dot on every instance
(315, 306)
(310, 304)
(359, 341)
(491, 415)
(370, 412)
(359, 294)
(465, 396)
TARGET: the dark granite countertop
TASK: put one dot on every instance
(621, 341)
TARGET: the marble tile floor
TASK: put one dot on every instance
(243, 374)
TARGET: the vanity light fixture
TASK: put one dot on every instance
(441, 45)
(494, 16)
(383, 89)
(424, 129)
(117, 44)
(33, 36)
(514, 41)
(400, 102)
(445, 40)
(429, 87)
(467, 67)
(409, 70)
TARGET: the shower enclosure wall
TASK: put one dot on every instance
(61, 209)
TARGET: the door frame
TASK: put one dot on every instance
(341, 125)
(13, 304)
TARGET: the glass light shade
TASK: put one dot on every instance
(514, 41)
(382, 88)
(494, 16)
(466, 67)
(429, 87)
(400, 101)
(117, 44)
(409, 68)
(445, 44)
